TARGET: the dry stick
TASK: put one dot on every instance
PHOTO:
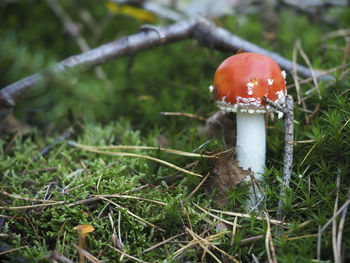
(294, 72)
(267, 243)
(55, 257)
(319, 243)
(66, 135)
(185, 114)
(132, 197)
(11, 250)
(26, 198)
(136, 147)
(308, 62)
(255, 258)
(250, 239)
(337, 33)
(324, 73)
(13, 139)
(302, 237)
(214, 216)
(235, 214)
(288, 147)
(303, 141)
(312, 115)
(126, 154)
(196, 189)
(334, 223)
(86, 254)
(30, 206)
(200, 242)
(163, 242)
(199, 28)
(341, 228)
(132, 214)
(73, 31)
(288, 111)
(343, 207)
(346, 52)
(207, 244)
(234, 231)
(39, 170)
(126, 255)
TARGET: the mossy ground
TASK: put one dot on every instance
(124, 109)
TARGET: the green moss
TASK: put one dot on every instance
(124, 109)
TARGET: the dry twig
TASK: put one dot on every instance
(55, 257)
(308, 62)
(270, 249)
(127, 256)
(11, 250)
(196, 189)
(86, 254)
(235, 214)
(126, 154)
(73, 31)
(132, 214)
(288, 111)
(162, 243)
(185, 114)
(201, 29)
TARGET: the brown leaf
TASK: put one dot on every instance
(163, 141)
(227, 174)
(221, 125)
(11, 124)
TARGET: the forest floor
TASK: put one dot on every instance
(58, 179)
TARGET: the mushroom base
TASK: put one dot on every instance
(251, 142)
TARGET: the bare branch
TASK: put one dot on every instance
(201, 29)
(73, 31)
(288, 149)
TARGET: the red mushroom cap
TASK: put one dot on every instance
(242, 80)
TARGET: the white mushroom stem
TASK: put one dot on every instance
(251, 142)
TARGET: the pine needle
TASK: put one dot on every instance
(126, 154)
(132, 214)
(26, 198)
(135, 147)
(132, 197)
(236, 214)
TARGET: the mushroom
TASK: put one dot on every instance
(240, 83)
(83, 230)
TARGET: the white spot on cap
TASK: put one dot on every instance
(270, 81)
(223, 99)
(250, 87)
(211, 88)
(284, 74)
(281, 97)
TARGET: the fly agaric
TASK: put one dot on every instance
(240, 83)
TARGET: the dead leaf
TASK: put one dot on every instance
(163, 141)
(227, 174)
(10, 124)
(221, 125)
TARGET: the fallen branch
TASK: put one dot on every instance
(288, 111)
(201, 29)
(73, 31)
(55, 257)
